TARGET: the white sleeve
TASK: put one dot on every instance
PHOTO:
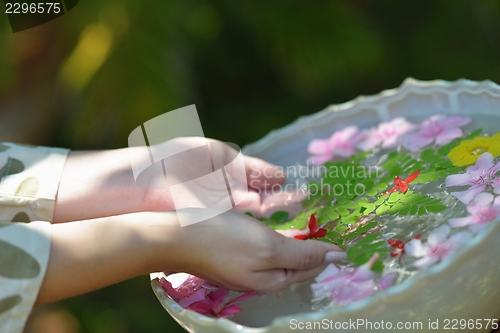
(29, 180)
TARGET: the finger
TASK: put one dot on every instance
(275, 280)
(288, 200)
(302, 255)
(262, 175)
(251, 203)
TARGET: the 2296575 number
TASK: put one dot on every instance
(33, 8)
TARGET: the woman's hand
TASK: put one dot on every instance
(101, 183)
(240, 253)
(232, 250)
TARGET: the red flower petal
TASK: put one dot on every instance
(391, 190)
(312, 224)
(403, 187)
(397, 244)
(301, 237)
(412, 176)
(319, 233)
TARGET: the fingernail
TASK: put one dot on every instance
(333, 256)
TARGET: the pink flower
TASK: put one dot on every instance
(347, 285)
(484, 209)
(341, 144)
(185, 288)
(438, 246)
(387, 134)
(442, 129)
(214, 304)
(479, 176)
(201, 296)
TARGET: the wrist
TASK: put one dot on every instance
(158, 238)
(96, 184)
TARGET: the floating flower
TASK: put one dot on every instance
(468, 151)
(213, 304)
(399, 248)
(438, 246)
(185, 288)
(201, 296)
(479, 176)
(386, 134)
(347, 285)
(314, 230)
(402, 184)
(341, 144)
(439, 128)
(484, 209)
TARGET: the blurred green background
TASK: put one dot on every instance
(88, 78)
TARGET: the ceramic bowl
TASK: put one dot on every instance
(464, 286)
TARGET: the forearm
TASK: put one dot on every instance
(100, 183)
(88, 255)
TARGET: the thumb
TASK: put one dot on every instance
(302, 255)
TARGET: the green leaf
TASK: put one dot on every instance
(341, 228)
(395, 196)
(444, 150)
(249, 214)
(378, 266)
(352, 252)
(405, 210)
(428, 154)
(382, 209)
(433, 176)
(381, 186)
(368, 238)
(435, 208)
(369, 208)
(371, 192)
(333, 215)
(362, 258)
(442, 174)
(323, 219)
(380, 201)
(395, 208)
(474, 134)
(421, 211)
(367, 227)
(374, 246)
(342, 211)
(332, 234)
(355, 204)
(422, 179)
(300, 223)
(349, 219)
(324, 240)
(341, 200)
(413, 209)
